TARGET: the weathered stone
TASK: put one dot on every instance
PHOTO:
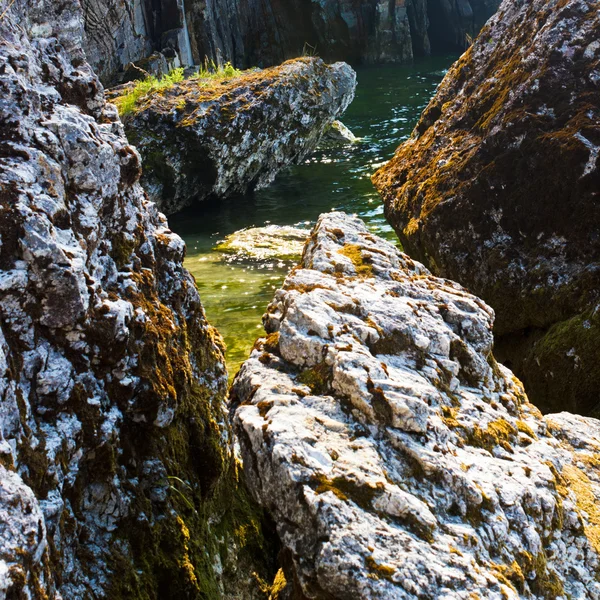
(221, 138)
(397, 458)
(117, 477)
(498, 186)
(337, 135)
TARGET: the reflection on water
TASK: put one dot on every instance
(388, 102)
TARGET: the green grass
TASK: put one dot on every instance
(206, 74)
(128, 101)
(211, 71)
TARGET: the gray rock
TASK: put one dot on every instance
(397, 458)
(225, 138)
(114, 443)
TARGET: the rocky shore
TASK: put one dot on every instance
(372, 446)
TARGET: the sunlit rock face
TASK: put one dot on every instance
(114, 446)
(397, 458)
(228, 138)
(498, 189)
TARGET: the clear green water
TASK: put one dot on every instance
(389, 101)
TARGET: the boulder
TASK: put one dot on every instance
(117, 477)
(397, 458)
(498, 187)
(202, 139)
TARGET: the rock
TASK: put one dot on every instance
(117, 477)
(273, 242)
(24, 556)
(263, 33)
(498, 186)
(337, 135)
(397, 458)
(219, 139)
(119, 33)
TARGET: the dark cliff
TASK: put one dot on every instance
(267, 32)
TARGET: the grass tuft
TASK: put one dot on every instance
(127, 103)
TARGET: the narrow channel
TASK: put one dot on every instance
(388, 103)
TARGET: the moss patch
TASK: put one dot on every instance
(361, 263)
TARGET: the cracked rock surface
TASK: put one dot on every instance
(113, 437)
(229, 138)
(498, 189)
(397, 458)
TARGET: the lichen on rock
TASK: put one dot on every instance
(118, 478)
(497, 188)
(397, 458)
(230, 137)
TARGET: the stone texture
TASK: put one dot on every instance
(397, 458)
(498, 189)
(117, 477)
(216, 139)
(119, 32)
(263, 33)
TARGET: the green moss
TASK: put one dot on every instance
(317, 378)
(497, 433)
(543, 580)
(127, 103)
(563, 367)
(355, 254)
(122, 248)
(381, 570)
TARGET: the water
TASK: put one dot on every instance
(389, 101)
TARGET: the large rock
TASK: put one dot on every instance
(398, 459)
(117, 477)
(266, 32)
(498, 189)
(200, 140)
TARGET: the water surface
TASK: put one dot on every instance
(389, 101)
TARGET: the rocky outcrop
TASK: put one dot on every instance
(398, 459)
(222, 138)
(117, 478)
(498, 189)
(262, 33)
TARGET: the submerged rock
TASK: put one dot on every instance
(397, 458)
(498, 188)
(273, 242)
(220, 139)
(117, 477)
(337, 135)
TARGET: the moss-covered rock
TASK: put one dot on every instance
(565, 364)
(118, 478)
(498, 186)
(218, 138)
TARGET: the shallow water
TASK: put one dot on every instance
(389, 101)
